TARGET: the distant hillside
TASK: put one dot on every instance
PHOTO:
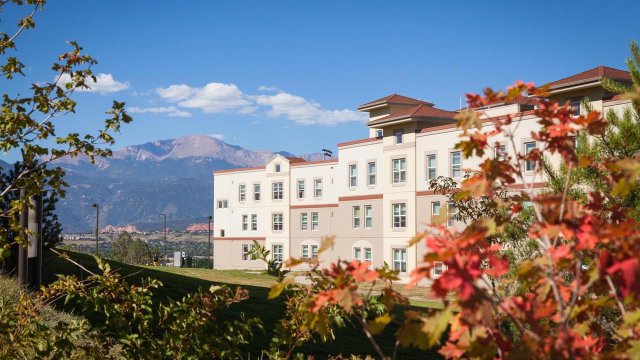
(140, 182)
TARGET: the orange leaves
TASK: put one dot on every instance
(360, 271)
(340, 283)
(628, 271)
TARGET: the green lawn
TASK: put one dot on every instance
(179, 282)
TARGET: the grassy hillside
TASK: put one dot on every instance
(179, 282)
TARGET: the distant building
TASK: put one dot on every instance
(375, 196)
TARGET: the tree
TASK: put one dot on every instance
(51, 228)
(29, 122)
(131, 251)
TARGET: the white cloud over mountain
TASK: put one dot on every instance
(223, 98)
(104, 84)
(169, 110)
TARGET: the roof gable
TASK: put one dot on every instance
(594, 74)
(394, 99)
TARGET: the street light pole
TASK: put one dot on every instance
(97, 224)
(210, 260)
(165, 239)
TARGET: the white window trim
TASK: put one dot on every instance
(402, 170)
(451, 164)
(435, 166)
(316, 222)
(356, 217)
(370, 207)
(400, 215)
(315, 188)
(301, 191)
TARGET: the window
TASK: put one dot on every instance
(500, 151)
(219, 204)
(357, 253)
(378, 134)
(254, 222)
(242, 190)
(438, 268)
(277, 222)
(221, 232)
(353, 175)
(456, 168)
(277, 253)
(246, 252)
(576, 105)
(300, 189)
(371, 169)
(529, 165)
(400, 260)
(277, 168)
(356, 217)
(399, 215)
(303, 221)
(225, 204)
(435, 209)
(245, 222)
(362, 254)
(431, 167)
(368, 217)
(399, 171)
(398, 135)
(277, 191)
(309, 250)
(317, 188)
(256, 192)
(451, 208)
(314, 221)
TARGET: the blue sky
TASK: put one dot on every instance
(288, 75)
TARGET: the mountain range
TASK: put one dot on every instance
(140, 182)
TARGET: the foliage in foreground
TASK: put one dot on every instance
(575, 295)
(124, 322)
(28, 122)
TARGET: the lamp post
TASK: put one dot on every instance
(209, 233)
(165, 239)
(97, 224)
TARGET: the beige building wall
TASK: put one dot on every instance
(227, 254)
(335, 207)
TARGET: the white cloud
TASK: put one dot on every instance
(212, 98)
(175, 93)
(303, 111)
(104, 84)
(220, 97)
(169, 110)
(269, 88)
(218, 136)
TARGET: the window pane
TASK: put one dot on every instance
(367, 254)
(357, 253)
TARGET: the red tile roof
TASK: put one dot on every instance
(294, 160)
(316, 162)
(424, 111)
(394, 99)
(239, 170)
(596, 73)
(359, 141)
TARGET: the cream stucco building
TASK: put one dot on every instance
(375, 195)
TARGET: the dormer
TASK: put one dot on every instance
(389, 105)
(394, 113)
(280, 165)
(587, 84)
